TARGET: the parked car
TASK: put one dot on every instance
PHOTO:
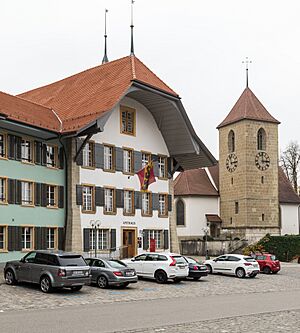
(111, 272)
(50, 270)
(159, 266)
(233, 264)
(196, 269)
(268, 263)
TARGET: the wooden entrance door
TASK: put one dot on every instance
(129, 240)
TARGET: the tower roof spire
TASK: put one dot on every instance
(132, 26)
(105, 58)
(247, 62)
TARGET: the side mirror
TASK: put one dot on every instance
(22, 259)
(215, 260)
(132, 259)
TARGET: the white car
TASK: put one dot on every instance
(159, 266)
(233, 264)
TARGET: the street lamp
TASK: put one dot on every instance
(95, 224)
(205, 229)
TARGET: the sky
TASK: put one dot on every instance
(195, 46)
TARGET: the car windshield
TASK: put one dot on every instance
(273, 258)
(71, 261)
(179, 259)
(249, 259)
(191, 260)
(116, 264)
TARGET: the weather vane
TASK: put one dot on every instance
(105, 58)
(247, 62)
(131, 26)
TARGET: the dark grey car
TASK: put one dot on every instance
(50, 270)
(109, 272)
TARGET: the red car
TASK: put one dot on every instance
(268, 263)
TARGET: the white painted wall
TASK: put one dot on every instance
(289, 219)
(148, 138)
(195, 210)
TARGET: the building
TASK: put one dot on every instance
(115, 118)
(32, 178)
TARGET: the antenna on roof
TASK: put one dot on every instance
(105, 59)
(246, 62)
(131, 26)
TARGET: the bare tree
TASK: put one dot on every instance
(290, 162)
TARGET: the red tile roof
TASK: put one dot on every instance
(83, 97)
(21, 110)
(286, 191)
(248, 107)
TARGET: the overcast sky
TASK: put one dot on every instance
(195, 46)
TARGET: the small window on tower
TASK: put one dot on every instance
(236, 207)
(231, 180)
(231, 220)
(231, 142)
(262, 217)
(127, 120)
(261, 139)
(262, 179)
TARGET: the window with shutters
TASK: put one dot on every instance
(127, 116)
(162, 167)
(52, 196)
(51, 238)
(157, 235)
(128, 202)
(27, 151)
(102, 239)
(3, 146)
(147, 204)
(89, 155)
(27, 193)
(128, 161)
(3, 238)
(163, 205)
(27, 238)
(109, 201)
(88, 199)
(146, 158)
(51, 156)
(109, 158)
(3, 190)
(180, 215)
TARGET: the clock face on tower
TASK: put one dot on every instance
(262, 161)
(231, 162)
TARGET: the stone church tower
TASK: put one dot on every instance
(248, 163)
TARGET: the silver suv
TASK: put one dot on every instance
(50, 270)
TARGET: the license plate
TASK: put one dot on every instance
(129, 273)
(77, 273)
(181, 267)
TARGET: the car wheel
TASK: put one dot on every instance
(197, 278)
(240, 273)
(161, 277)
(76, 288)
(10, 277)
(102, 282)
(267, 270)
(209, 269)
(45, 284)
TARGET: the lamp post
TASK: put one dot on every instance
(95, 224)
(205, 244)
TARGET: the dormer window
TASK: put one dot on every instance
(231, 142)
(261, 139)
(127, 120)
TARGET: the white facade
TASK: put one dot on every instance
(289, 219)
(147, 138)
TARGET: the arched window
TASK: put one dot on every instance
(261, 139)
(231, 142)
(180, 212)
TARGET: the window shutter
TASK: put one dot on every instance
(99, 156)
(18, 239)
(86, 240)
(11, 191)
(78, 195)
(11, 147)
(43, 195)
(14, 238)
(120, 198)
(166, 239)
(38, 152)
(113, 240)
(119, 159)
(137, 161)
(145, 239)
(99, 196)
(44, 154)
(137, 200)
(61, 158)
(18, 195)
(61, 238)
(155, 201)
(37, 194)
(38, 238)
(61, 196)
(169, 167)
(155, 165)
(170, 201)
(18, 147)
(79, 160)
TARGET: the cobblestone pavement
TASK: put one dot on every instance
(24, 296)
(278, 322)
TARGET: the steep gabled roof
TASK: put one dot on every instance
(20, 110)
(249, 107)
(286, 191)
(84, 97)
